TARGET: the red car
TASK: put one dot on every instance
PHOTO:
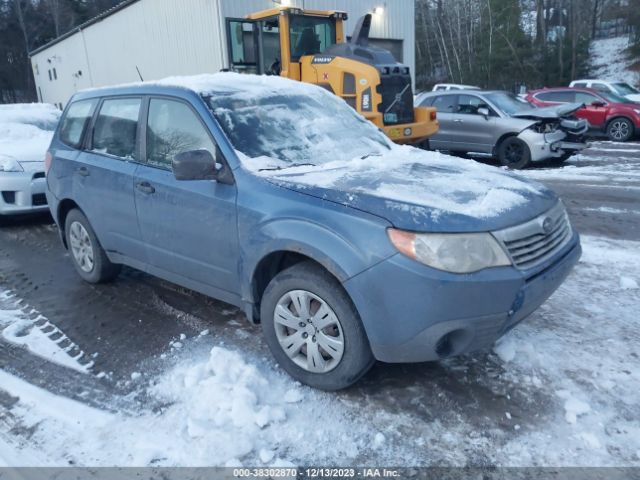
(606, 112)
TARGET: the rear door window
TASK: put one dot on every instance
(558, 97)
(115, 129)
(586, 98)
(445, 103)
(75, 122)
(579, 85)
(173, 128)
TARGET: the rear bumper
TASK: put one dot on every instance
(413, 313)
(422, 128)
(21, 193)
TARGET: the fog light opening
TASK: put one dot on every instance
(453, 343)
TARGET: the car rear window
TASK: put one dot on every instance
(116, 127)
(75, 121)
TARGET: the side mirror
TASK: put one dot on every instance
(598, 103)
(195, 165)
(484, 111)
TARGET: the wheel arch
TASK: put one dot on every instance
(64, 207)
(501, 139)
(271, 265)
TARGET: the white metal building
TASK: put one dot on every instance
(160, 38)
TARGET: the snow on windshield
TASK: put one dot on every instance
(26, 130)
(301, 134)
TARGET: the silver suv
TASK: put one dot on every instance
(501, 124)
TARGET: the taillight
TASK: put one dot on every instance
(47, 162)
(433, 116)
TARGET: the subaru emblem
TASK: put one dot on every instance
(547, 225)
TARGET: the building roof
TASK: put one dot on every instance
(107, 13)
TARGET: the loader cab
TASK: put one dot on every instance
(272, 42)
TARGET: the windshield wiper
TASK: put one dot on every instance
(364, 157)
(288, 166)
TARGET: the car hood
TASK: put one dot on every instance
(549, 113)
(24, 143)
(417, 190)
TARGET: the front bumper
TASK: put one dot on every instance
(22, 192)
(544, 146)
(413, 313)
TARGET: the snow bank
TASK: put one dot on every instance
(26, 130)
(610, 62)
(219, 410)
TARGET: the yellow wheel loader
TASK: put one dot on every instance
(310, 46)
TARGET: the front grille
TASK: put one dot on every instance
(531, 243)
(38, 175)
(397, 99)
(38, 199)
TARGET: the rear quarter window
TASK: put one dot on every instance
(75, 122)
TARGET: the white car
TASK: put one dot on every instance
(439, 87)
(25, 134)
(619, 88)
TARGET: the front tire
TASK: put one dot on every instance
(514, 153)
(88, 256)
(620, 130)
(313, 330)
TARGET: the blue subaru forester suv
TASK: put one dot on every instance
(277, 197)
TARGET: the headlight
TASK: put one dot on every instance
(8, 164)
(637, 111)
(451, 252)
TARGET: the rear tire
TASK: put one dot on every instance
(313, 330)
(620, 129)
(88, 256)
(514, 153)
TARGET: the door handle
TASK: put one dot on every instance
(83, 171)
(145, 187)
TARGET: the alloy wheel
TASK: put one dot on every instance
(514, 152)
(619, 130)
(81, 246)
(309, 331)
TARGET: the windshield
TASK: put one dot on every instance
(296, 128)
(310, 35)
(625, 89)
(612, 97)
(508, 103)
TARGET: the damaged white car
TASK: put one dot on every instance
(499, 123)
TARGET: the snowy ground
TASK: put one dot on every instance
(118, 384)
(609, 62)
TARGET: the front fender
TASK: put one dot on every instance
(343, 255)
